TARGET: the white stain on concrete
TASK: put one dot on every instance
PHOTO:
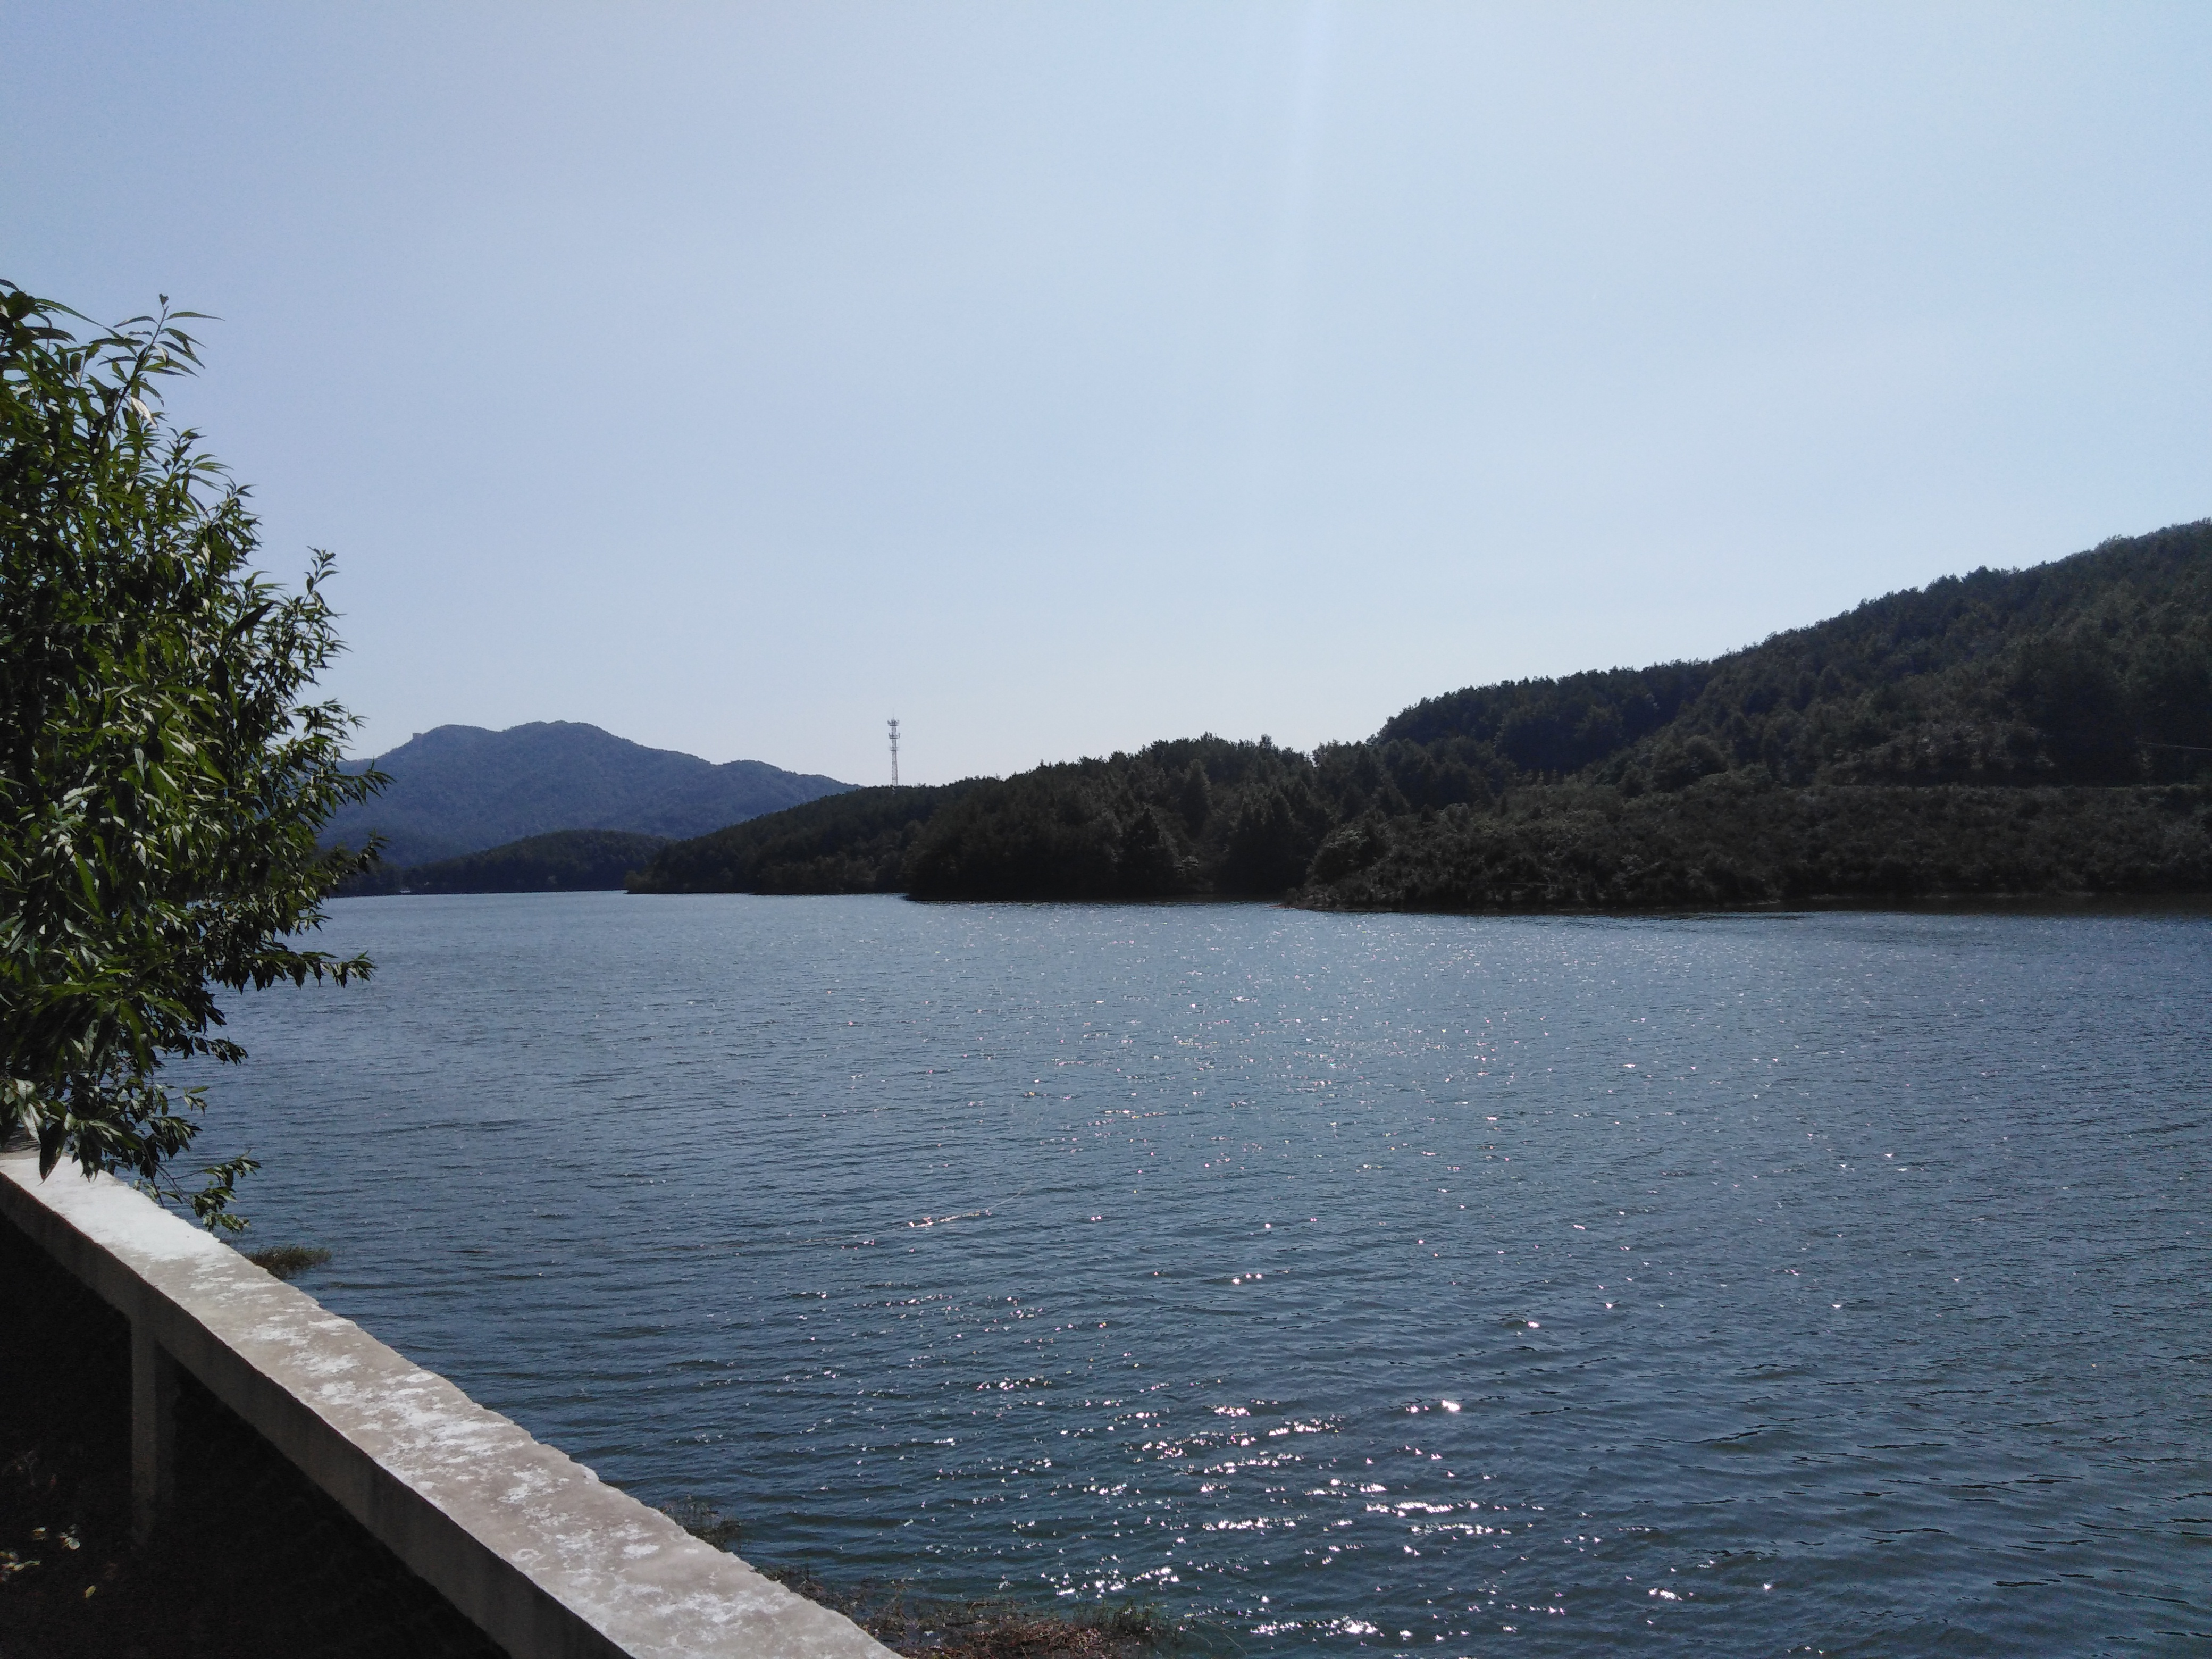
(485, 1503)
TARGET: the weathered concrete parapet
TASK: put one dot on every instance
(522, 1539)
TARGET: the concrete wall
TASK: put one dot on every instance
(526, 1543)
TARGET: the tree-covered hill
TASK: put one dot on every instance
(2038, 731)
(1732, 839)
(855, 843)
(460, 789)
(1195, 815)
(566, 861)
(1199, 815)
(2095, 669)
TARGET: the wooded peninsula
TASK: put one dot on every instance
(2025, 732)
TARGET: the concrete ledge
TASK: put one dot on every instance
(523, 1541)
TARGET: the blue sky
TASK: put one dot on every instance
(1058, 378)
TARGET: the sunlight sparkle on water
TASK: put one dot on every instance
(875, 1290)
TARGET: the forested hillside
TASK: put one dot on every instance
(460, 789)
(2038, 731)
(566, 861)
(2096, 669)
(855, 842)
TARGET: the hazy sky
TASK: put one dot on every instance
(1061, 377)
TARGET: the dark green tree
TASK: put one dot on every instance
(163, 773)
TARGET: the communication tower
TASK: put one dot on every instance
(894, 725)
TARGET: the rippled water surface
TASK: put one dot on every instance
(1437, 1285)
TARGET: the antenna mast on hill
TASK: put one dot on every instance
(894, 754)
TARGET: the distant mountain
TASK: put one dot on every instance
(566, 861)
(461, 789)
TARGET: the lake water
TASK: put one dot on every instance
(1443, 1285)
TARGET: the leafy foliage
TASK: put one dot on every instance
(161, 778)
(566, 861)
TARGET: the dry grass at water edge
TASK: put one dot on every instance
(944, 1628)
(289, 1260)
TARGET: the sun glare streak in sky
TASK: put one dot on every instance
(1289, 261)
(1064, 377)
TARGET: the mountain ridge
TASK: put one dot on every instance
(1997, 676)
(2066, 708)
(458, 790)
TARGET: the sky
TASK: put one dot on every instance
(1061, 377)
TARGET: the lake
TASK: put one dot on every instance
(1825, 1282)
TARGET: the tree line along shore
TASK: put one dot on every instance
(2024, 733)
